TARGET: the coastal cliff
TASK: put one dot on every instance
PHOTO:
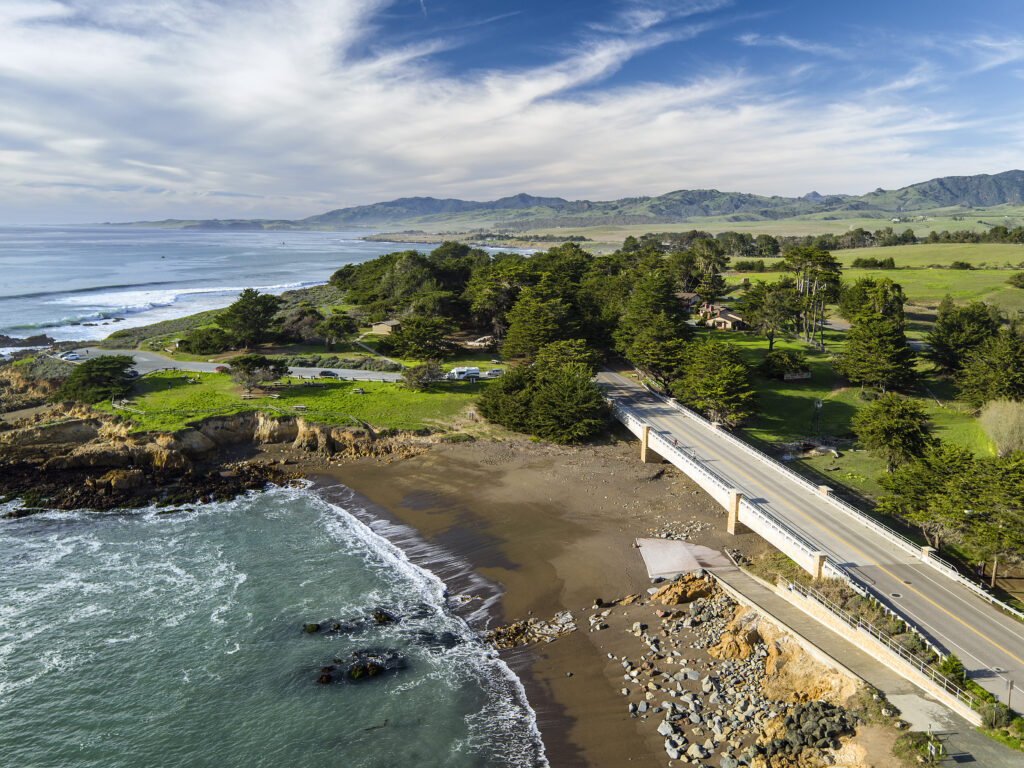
(73, 457)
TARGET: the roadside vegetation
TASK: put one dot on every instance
(868, 367)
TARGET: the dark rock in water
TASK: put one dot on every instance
(311, 628)
(325, 679)
(383, 617)
(370, 663)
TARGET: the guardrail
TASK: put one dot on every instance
(859, 515)
(857, 623)
(756, 515)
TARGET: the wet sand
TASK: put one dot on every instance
(555, 528)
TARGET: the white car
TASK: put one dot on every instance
(71, 356)
(493, 373)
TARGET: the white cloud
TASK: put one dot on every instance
(785, 41)
(119, 110)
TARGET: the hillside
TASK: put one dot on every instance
(523, 211)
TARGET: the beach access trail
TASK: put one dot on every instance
(989, 642)
(148, 362)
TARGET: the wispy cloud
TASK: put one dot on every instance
(785, 41)
(124, 109)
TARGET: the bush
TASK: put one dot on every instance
(100, 378)
(779, 362)
(1016, 280)
(995, 715)
(1003, 422)
(960, 265)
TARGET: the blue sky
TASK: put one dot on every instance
(127, 109)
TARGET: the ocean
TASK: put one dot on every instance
(146, 638)
(70, 283)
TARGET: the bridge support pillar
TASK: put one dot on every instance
(927, 552)
(647, 454)
(824, 490)
(817, 569)
(732, 522)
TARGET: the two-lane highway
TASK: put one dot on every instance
(988, 642)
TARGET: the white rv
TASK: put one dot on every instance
(463, 373)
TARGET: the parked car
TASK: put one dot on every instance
(222, 369)
(131, 373)
(328, 375)
(493, 373)
(71, 356)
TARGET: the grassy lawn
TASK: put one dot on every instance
(786, 409)
(170, 403)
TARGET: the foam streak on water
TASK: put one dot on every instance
(173, 639)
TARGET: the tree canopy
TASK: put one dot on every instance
(250, 318)
(896, 428)
(99, 378)
(993, 370)
(959, 330)
(716, 382)
(423, 338)
(876, 354)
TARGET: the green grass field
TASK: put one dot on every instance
(786, 410)
(170, 403)
(925, 285)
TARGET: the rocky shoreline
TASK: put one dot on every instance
(719, 683)
(696, 671)
(71, 457)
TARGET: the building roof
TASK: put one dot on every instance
(392, 323)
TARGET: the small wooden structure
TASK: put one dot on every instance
(385, 327)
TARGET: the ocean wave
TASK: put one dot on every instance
(104, 304)
(500, 725)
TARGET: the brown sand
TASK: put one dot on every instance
(555, 527)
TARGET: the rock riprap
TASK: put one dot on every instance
(706, 675)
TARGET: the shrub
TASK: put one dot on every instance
(1016, 280)
(1003, 422)
(960, 265)
(779, 362)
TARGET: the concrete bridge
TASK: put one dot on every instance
(828, 537)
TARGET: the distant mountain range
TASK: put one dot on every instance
(526, 212)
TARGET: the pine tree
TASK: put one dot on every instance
(658, 350)
(958, 331)
(653, 295)
(993, 370)
(568, 407)
(896, 428)
(877, 354)
(533, 321)
(716, 382)
(250, 317)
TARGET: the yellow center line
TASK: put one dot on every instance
(846, 543)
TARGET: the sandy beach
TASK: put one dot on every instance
(555, 527)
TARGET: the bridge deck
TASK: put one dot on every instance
(988, 642)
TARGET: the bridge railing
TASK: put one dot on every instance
(851, 511)
(752, 514)
(890, 643)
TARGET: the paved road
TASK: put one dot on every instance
(147, 362)
(989, 643)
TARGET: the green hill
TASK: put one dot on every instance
(521, 212)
